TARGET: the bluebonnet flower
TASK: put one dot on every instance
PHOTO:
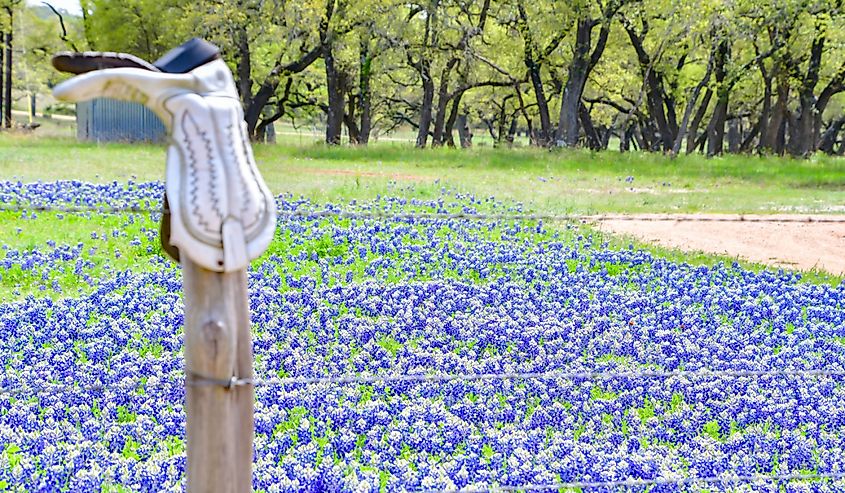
(348, 296)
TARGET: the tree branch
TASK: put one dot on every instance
(64, 36)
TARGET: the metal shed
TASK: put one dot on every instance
(108, 120)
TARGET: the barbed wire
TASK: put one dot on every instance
(623, 483)
(32, 391)
(195, 380)
(474, 216)
(79, 209)
(201, 381)
(632, 483)
(545, 375)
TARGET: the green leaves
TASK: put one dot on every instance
(13, 455)
(502, 66)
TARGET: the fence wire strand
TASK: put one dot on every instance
(201, 381)
(194, 380)
(546, 375)
(36, 390)
(471, 216)
(79, 209)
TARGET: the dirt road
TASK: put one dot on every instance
(796, 245)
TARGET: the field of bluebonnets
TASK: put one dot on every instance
(343, 296)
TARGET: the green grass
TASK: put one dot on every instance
(103, 254)
(558, 181)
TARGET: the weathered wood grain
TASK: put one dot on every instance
(218, 344)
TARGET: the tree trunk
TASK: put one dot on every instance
(544, 135)
(701, 142)
(501, 122)
(334, 115)
(639, 139)
(244, 68)
(260, 134)
(765, 113)
(818, 113)
(734, 136)
(351, 126)
(511, 132)
(653, 81)
(570, 106)
(606, 134)
(437, 139)
(671, 115)
(270, 133)
(545, 131)
(252, 113)
(579, 70)
(716, 129)
(365, 93)
(696, 121)
(654, 96)
(834, 87)
(830, 136)
(464, 132)
(716, 138)
(491, 128)
(7, 116)
(453, 115)
(776, 136)
(805, 132)
(424, 69)
(682, 130)
(268, 88)
(593, 137)
(625, 140)
(801, 141)
(748, 140)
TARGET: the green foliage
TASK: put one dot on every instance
(144, 28)
(487, 452)
(13, 455)
(390, 345)
(646, 412)
(597, 393)
(292, 424)
(712, 429)
(115, 488)
(124, 415)
(130, 449)
(502, 65)
(174, 446)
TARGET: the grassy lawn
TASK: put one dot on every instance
(549, 181)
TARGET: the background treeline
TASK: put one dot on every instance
(671, 76)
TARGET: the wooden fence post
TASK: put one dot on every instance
(218, 216)
(218, 345)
